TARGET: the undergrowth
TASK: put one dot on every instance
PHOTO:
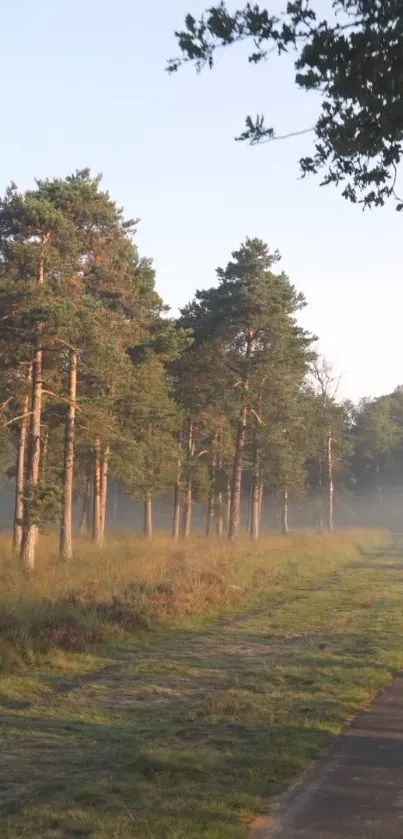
(132, 585)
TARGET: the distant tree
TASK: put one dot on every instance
(376, 436)
(285, 440)
(328, 443)
(351, 55)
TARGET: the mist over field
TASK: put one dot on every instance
(368, 509)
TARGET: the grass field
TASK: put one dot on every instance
(236, 668)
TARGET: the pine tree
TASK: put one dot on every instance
(75, 288)
(200, 385)
(249, 315)
(34, 240)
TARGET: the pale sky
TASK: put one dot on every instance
(84, 85)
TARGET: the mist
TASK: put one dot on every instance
(368, 509)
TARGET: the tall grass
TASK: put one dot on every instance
(133, 583)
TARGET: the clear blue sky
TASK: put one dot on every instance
(84, 85)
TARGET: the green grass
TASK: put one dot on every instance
(198, 721)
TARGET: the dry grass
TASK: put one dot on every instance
(133, 583)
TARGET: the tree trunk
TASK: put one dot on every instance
(20, 469)
(104, 495)
(187, 510)
(261, 490)
(31, 528)
(249, 519)
(255, 518)
(177, 505)
(255, 493)
(66, 524)
(148, 515)
(210, 514)
(96, 499)
(211, 505)
(228, 508)
(85, 510)
(284, 512)
(320, 506)
(330, 486)
(187, 506)
(236, 483)
(219, 522)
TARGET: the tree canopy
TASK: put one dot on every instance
(351, 55)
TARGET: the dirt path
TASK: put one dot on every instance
(188, 730)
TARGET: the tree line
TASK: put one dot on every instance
(97, 380)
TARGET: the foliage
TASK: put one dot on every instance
(44, 503)
(351, 56)
(377, 435)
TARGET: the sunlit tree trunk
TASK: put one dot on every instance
(236, 483)
(66, 525)
(177, 505)
(255, 493)
(249, 519)
(212, 504)
(20, 468)
(148, 515)
(104, 494)
(187, 510)
(187, 501)
(31, 528)
(96, 495)
(219, 521)
(330, 485)
(228, 508)
(255, 517)
(284, 512)
(320, 505)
